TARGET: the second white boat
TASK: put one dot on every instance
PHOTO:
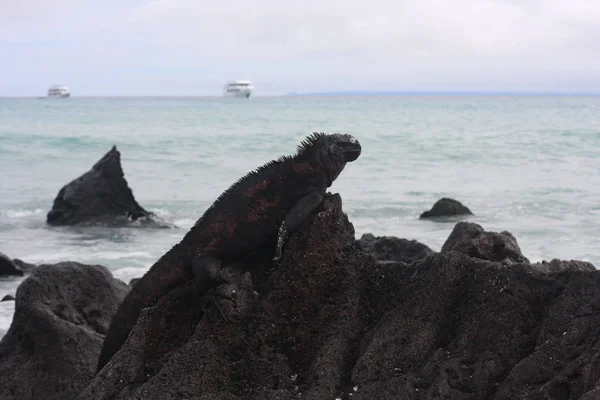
(238, 88)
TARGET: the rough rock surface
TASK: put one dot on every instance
(292, 329)
(100, 196)
(446, 207)
(8, 267)
(61, 314)
(563, 265)
(330, 321)
(458, 327)
(470, 239)
(475, 321)
(24, 266)
(390, 248)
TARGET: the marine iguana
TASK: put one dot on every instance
(262, 207)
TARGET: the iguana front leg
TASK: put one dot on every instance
(208, 276)
(298, 214)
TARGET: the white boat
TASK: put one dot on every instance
(238, 88)
(59, 91)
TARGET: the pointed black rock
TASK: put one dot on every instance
(100, 196)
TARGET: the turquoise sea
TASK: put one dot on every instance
(526, 164)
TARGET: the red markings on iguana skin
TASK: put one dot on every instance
(220, 232)
(251, 192)
(262, 208)
(303, 168)
(259, 206)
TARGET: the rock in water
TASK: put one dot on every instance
(24, 266)
(101, 195)
(446, 207)
(390, 248)
(8, 267)
(62, 312)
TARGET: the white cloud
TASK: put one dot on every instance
(15, 12)
(336, 45)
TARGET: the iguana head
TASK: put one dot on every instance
(342, 148)
(330, 151)
(334, 151)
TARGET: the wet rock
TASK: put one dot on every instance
(100, 196)
(8, 297)
(470, 239)
(390, 248)
(557, 265)
(446, 207)
(62, 312)
(24, 266)
(8, 267)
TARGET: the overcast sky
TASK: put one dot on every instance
(191, 47)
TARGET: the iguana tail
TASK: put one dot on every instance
(169, 271)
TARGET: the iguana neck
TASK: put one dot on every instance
(333, 170)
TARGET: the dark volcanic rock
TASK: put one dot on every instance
(329, 320)
(472, 240)
(101, 196)
(390, 248)
(446, 207)
(24, 266)
(475, 321)
(456, 327)
(8, 297)
(62, 312)
(292, 330)
(8, 267)
(563, 265)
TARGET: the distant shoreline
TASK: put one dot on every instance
(441, 93)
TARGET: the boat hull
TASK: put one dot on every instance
(59, 96)
(243, 94)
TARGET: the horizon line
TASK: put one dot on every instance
(346, 93)
(443, 92)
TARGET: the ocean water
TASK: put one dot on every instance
(526, 164)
